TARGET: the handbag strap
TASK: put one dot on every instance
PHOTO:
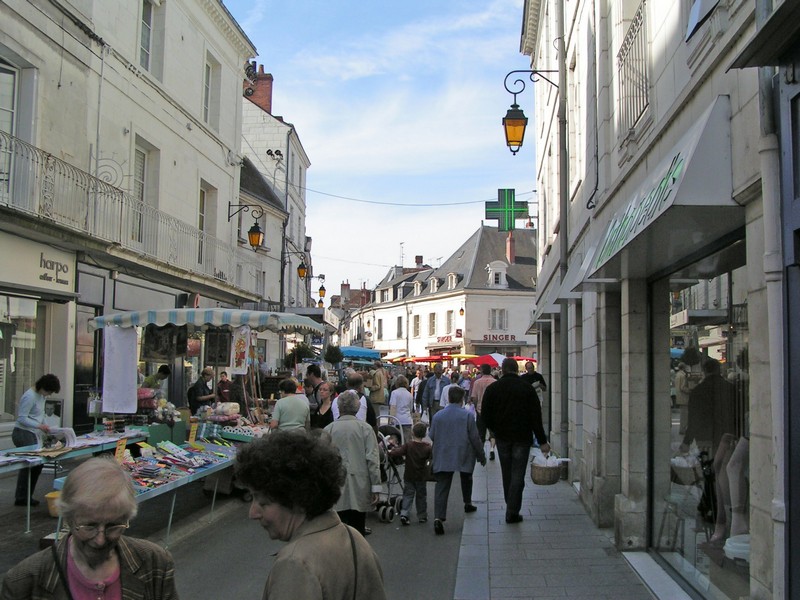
(61, 572)
(355, 563)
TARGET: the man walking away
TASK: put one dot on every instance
(511, 409)
(432, 393)
(455, 448)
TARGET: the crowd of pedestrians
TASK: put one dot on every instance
(315, 478)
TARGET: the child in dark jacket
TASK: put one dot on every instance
(416, 451)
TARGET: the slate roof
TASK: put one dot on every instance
(253, 182)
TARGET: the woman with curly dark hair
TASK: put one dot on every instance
(295, 479)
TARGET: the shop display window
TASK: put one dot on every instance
(21, 350)
(700, 519)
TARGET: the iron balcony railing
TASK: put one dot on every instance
(634, 84)
(35, 182)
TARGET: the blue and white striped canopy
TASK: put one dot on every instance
(212, 317)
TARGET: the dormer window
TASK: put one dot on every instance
(497, 274)
(434, 287)
(417, 288)
(452, 281)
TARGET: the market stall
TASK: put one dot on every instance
(230, 339)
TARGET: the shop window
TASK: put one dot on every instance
(700, 518)
(21, 350)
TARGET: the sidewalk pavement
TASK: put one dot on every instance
(555, 553)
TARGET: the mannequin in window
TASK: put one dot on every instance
(711, 424)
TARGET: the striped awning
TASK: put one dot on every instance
(212, 317)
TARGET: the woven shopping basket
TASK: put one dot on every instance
(545, 475)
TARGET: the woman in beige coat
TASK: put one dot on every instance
(295, 479)
(358, 448)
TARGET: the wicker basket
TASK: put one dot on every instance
(545, 475)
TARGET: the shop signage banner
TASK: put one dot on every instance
(36, 265)
(696, 172)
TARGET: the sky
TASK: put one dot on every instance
(398, 107)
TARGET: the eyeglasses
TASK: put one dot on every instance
(91, 531)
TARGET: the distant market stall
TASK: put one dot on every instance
(233, 342)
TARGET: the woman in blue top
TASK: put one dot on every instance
(30, 419)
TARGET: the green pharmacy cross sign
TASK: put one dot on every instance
(506, 210)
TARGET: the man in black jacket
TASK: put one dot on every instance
(511, 409)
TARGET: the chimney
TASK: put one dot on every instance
(510, 251)
(262, 89)
(418, 260)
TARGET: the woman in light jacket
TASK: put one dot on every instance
(358, 448)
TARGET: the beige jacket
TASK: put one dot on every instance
(317, 563)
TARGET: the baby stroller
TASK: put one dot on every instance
(390, 435)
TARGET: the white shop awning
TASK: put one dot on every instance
(211, 317)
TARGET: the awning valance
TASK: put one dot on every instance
(211, 317)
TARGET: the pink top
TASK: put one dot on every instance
(84, 589)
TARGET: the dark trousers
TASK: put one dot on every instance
(22, 437)
(513, 466)
(442, 492)
(356, 519)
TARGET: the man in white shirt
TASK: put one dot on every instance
(432, 394)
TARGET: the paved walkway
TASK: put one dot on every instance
(555, 553)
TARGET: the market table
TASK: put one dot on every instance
(9, 464)
(31, 456)
(142, 495)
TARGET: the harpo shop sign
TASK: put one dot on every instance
(36, 265)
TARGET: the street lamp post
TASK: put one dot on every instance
(514, 125)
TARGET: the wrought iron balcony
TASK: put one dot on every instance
(36, 183)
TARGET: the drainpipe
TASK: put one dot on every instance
(769, 151)
(563, 231)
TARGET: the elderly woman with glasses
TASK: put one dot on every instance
(95, 559)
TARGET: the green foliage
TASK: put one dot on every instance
(333, 354)
(298, 353)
